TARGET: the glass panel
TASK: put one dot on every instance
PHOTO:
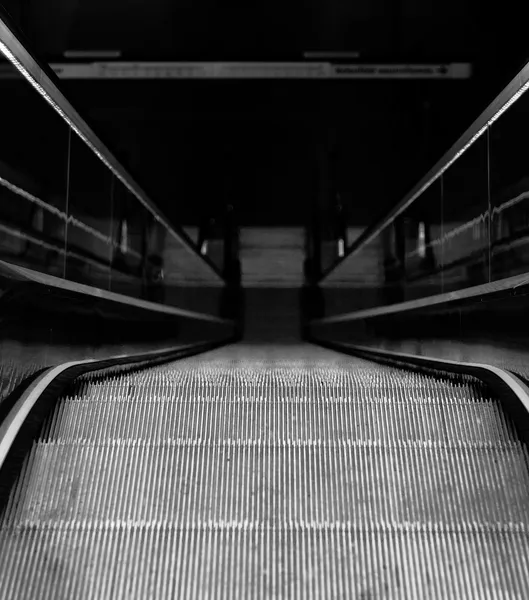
(90, 212)
(465, 235)
(438, 244)
(359, 283)
(188, 281)
(33, 176)
(469, 228)
(402, 263)
(509, 178)
(63, 212)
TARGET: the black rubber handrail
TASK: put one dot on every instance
(511, 389)
(50, 383)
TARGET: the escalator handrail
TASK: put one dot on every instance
(516, 87)
(479, 370)
(46, 82)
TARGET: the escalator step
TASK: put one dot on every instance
(250, 472)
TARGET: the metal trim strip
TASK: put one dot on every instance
(502, 285)
(81, 288)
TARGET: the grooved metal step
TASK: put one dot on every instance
(279, 472)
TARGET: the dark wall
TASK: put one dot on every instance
(272, 315)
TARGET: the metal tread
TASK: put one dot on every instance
(183, 497)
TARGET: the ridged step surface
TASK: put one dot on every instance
(271, 472)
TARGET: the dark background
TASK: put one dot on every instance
(272, 148)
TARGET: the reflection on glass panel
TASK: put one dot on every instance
(188, 281)
(509, 179)
(359, 283)
(211, 241)
(471, 227)
(64, 212)
(33, 176)
(154, 261)
(413, 248)
(403, 262)
(335, 236)
(192, 233)
(90, 208)
(465, 236)
(130, 233)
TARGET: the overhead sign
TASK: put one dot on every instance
(301, 70)
(441, 71)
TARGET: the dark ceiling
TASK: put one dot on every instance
(204, 29)
(273, 147)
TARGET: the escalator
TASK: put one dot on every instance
(268, 468)
(270, 472)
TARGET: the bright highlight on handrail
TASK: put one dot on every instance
(27, 66)
(516, 88)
